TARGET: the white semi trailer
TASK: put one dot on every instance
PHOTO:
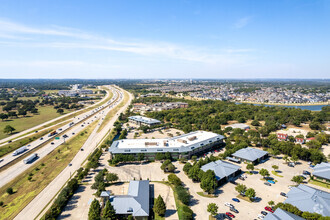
(19, 151)
(30, 158)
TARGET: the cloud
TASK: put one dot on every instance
(70, 38)
(242, 22)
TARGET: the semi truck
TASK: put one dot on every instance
(30, 158)
(19, 150)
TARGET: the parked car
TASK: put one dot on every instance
(264, 213)
(230, 215)
(271, 181)
(305, 172)
(233, 210)
(228, 204)
(267, 184)
(283, 194)
(269, 209)
(261, 216)
(235, 200)
(241, 178)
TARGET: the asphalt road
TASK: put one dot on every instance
(21, 135)
(36, 206)
(13, 171)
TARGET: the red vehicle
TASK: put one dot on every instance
(230, 215)
(269, 209)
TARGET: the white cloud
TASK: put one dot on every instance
(242, 22)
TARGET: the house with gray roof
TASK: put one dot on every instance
(224, 171)
(280, 214)
(135, 203)
(250, 155)
(322, 171)
(141, 120)
(308, 199)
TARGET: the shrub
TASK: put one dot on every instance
(172, 178)
(10, 190)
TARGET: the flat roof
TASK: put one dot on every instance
(221, 168)
(309, 199)
(182, 143)
(238, 125)
(322, 170)
(143, 119)
(250, 154)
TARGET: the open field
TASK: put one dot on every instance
(42, 172)
(46, 113)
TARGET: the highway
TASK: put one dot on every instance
(37, 205)
(80, 122)
(25, 133)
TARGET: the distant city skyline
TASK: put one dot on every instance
(165, 39)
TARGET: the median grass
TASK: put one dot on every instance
(319, 183)
(206, 195)
(46, 113)
(42, 172)
(276, 174)
(112, 112)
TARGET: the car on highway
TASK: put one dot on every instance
(264, 213)
(9, 141)
(1, 160)
(36, 131)
(230, 215)
(235, 200)
(70, 164)
(82, 149)
(269, 209)
(60, 129)
(267, 184)
(82, 125)
(73, 133)
(41, 138)
(52, 143)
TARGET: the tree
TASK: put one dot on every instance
(263, 172)
(241, 188)
(275, 167)
(286, 159)
(187, 167)
(94, 210)
(250, 166)
(112, 177)
(250, 193)
(208, 181)
(60, 111)
(3, 116)
(294, 158)
(10, 190)
(172, 178)
(297, 179)
(271, 203)
(109, 212)
(255, 123)
(159, 206)
(212, 208)
(8, 129)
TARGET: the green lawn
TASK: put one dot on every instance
(206, 195)
(46, 113)
(319, 183)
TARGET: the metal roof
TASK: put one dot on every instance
(238, 125)
(250, 154)
(144, 119)
(221, 168)
(322, 170)
(309, 199)
(172, 145)
(280, 214)
(136, 202)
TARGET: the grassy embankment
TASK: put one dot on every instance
(319, 183)
(42, 173)
(46, 113)
(112, 112)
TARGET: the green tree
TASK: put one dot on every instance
(255, 123)
(263, 172)
(275, 167)
(250, 193)
(3, 116)
(187, 167)
(250, 166)
(212, 208)
(294, 158)
(60, 111)
(271, 203)
(297, 179)
(8, 129)
(10, 190)
(208, 181)
(172, 178)
(94, 210)
(112, 177)
(241, 188)
(159, 206)
(286, 159)
(109, 212)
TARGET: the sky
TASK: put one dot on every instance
(136, 39)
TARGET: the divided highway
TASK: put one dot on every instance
(50, 144)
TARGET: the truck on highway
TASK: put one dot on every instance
(30, 158)
(19, 150)
(52, 133)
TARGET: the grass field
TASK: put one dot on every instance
(319, 183)
(42, 173)
(46, 113)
